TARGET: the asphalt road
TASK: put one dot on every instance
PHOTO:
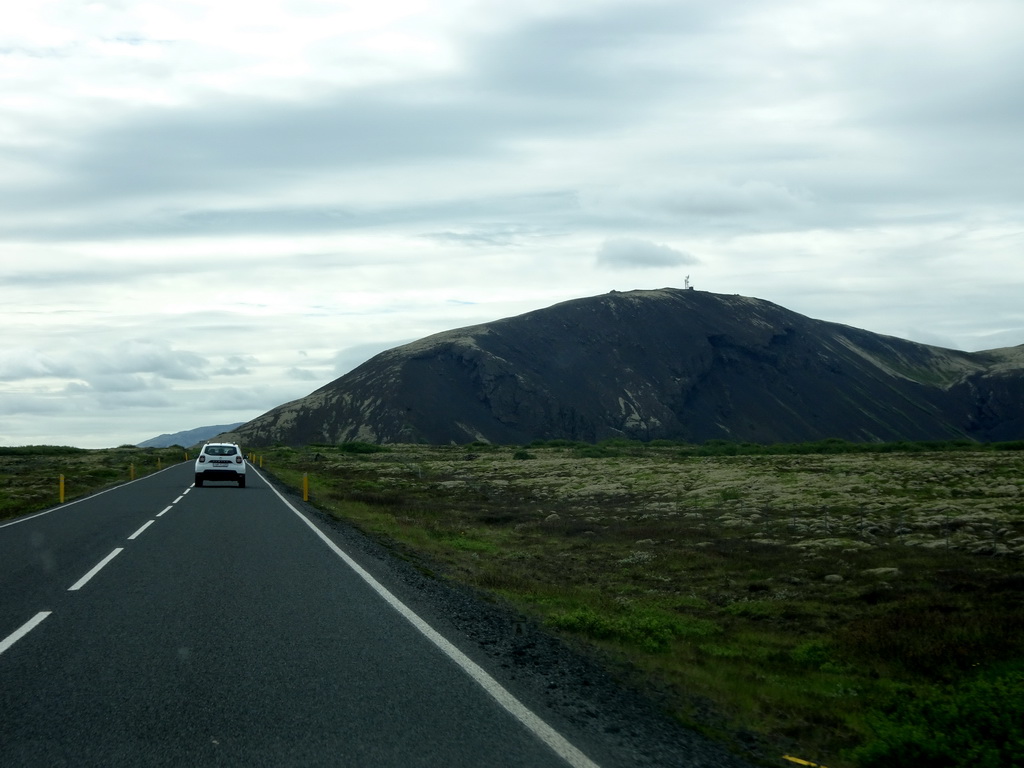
(158, 624)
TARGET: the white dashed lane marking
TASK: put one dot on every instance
(23, 630)
(96, 569)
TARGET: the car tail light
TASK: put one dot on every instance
(202, 459)
(238, 459)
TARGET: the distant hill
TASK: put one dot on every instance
(189, 437)
(677, 364)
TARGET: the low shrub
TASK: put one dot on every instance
(557, 443)
(936, 639)
(646, 630)
(595, 452)
(359, 447)
(813, 653)
(976, 724)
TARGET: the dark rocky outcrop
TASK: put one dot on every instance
(676, 364)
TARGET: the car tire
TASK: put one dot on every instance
(199, 481)
(241, 481)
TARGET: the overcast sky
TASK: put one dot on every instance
(210, 208)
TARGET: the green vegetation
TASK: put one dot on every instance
(977, 722)
(30, 475)
(354, 447)
(40, 450)
(852, 605)
(648, 630)
(832, 445)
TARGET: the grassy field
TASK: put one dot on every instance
(30, 475)
(845, 607)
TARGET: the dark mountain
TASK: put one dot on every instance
(189, 437)
(678, 364)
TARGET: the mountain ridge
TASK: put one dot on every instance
(188, 437)
(668, 363)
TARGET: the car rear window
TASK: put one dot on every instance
(220, 450)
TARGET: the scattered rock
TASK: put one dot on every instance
(832, 543)
(637, 557)
(833, 578)
(554, 517)
(991, 549)
(882, 573)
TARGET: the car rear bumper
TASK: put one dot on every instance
(220, 474)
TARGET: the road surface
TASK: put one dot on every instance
(157, 624)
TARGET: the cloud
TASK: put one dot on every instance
(153, 357)
(142, 399)
(247, 402)
(115, 368)
(117, 384)
(492, 236)
(352, 357)
(21, 363)
(518, 86)
(706, 203)
(27, 405)
(302, 374)
(237, 365)
(629, 253)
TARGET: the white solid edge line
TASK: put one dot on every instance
(139, 532)
(96, 569)
(556, 741)
(23, 630)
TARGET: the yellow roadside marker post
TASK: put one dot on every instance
(62, 489)
(798, 761)
(305, 486)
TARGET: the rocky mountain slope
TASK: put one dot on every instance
(677, 364)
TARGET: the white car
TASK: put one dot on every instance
(220, 461)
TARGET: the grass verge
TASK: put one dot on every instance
(30, 475)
